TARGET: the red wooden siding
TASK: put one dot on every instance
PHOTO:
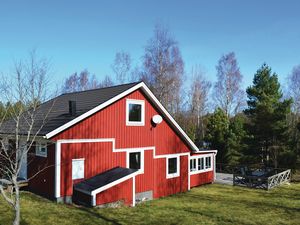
(111, 123)
(120, 192)
(42, 172)
(202, 178)
(98, 158)
(145, 181)
(165, 187)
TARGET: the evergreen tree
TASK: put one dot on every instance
(267, 113)
(217, 132)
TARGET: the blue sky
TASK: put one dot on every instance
(76, 35)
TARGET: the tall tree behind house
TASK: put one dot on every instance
(267, 114)
(121, 67)
(228, 94)
(294, 117)
(198, 104)
(82, 82)
(164, 68)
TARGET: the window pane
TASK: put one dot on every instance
(172, 165)
(208, 162)
(192, 164)
(135, 112)
(77, 169)
(135, 160)
(200, 163)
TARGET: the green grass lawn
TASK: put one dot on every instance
(210, 204)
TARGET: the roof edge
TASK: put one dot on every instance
(147, 91)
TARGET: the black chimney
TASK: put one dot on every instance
(72, 108)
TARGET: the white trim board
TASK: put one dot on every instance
(112, 140)
(150, 95)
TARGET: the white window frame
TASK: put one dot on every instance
(172, 175)
(76, 160)
(141, 170)
(204, 163)
(193, 164)
(138, 102)
(38, 147)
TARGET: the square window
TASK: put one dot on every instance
(135, 112)
(172, 167)
(41, 149)
(77, 169)
(135, 160)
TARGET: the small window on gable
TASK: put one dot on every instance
(77, 169)
(173, 167)
(135, 112)
(41, 149)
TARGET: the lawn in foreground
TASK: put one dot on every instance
(210, 204)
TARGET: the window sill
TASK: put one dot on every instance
(173, 175)
(137, 124)
(200, 171)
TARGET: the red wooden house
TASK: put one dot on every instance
(114, 144)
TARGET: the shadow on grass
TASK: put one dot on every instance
(99, 216)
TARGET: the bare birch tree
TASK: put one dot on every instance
(82, 82)
(164, 68)
(294, 118)
(25, 90)
(198, 102)
(121, 67)
(294, 89)
(106, 82)
(227, 90)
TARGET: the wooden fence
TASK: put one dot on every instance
(263, 182)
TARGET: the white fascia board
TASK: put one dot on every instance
(105, 187)
(92, 111)
(114, 99)
(167, 114)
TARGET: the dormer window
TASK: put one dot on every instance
(135, 112)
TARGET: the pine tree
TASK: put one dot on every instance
(267, 116)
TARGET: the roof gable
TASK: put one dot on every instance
(129, 90)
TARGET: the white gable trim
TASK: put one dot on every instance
(114, 99)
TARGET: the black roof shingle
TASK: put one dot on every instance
(56, 110)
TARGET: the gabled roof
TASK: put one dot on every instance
(58, 109)
(88, 103)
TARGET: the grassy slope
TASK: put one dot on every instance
(211, 204)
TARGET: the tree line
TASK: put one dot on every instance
(256, 125)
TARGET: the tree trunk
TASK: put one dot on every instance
(17, 204)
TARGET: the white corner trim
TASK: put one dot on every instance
(133, 191)
(57, 169)
(189, 175)
(114, 99)
(173, 175)
(135, 123)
